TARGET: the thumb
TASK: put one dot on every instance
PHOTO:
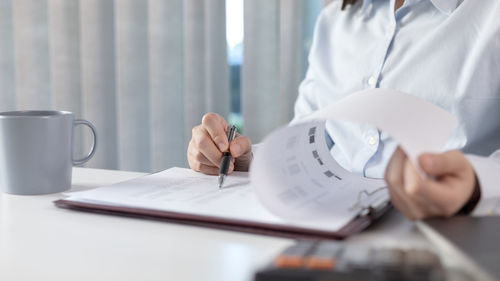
(449, 162)
(216, 128)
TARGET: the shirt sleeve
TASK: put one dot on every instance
(306, 102)
(488, 175)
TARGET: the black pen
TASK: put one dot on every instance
(226, 157)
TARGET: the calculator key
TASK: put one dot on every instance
(294, 256)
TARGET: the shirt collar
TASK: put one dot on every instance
(445, 6)
(366, 3)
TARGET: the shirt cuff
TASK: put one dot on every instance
(487, 171)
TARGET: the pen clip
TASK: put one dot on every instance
(232, 133)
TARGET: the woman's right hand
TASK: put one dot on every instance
(209, 141)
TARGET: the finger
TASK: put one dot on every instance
(448, 198)
(209, 170)
(450, 162)
(240, 146)
(413, 181)
(205, 145)
(216, 127)
(437, 189)
(193, 159)
(405, 201)
(394, 170)
(197, 156)
(424, 197)
(416, 190)
(401, 201)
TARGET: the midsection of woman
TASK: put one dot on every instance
(444, 51)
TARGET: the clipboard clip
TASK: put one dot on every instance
(374, 209)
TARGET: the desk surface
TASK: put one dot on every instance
(41, 242)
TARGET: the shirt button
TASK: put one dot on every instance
(372, 141)
(391, 29)
(372, 81)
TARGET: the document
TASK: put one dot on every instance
(295, 176)
(185, 191)
(294, 183)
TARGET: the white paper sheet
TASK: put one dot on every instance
(185, 191)
(295, 176)
(417, 125)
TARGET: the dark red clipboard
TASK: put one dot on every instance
(363, 220)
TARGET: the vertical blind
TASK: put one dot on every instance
(145, 72)
(277, 38)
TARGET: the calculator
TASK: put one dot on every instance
(334, 260)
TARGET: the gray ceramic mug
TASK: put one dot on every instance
(36, 151)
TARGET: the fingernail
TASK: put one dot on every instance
(221, 146)
(235, 149)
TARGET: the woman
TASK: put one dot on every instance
(443, 51)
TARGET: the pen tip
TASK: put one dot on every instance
(221, 181)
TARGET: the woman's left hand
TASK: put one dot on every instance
(450, 183)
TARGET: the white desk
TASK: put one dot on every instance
(39, 241)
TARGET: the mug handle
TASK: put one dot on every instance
(94, 143)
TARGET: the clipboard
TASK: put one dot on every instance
(367, 216)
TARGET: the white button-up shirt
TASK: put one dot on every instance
(444, 51)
